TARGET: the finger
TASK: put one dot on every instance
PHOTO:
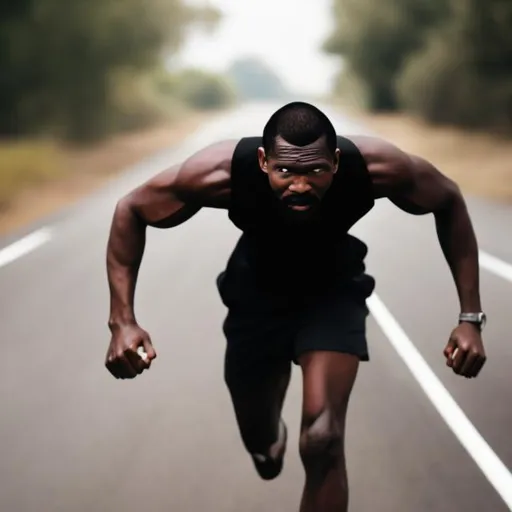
(451, 356)
(111, 367)
(144, 356)
(479, 363)
(126, 370)
(148, 348)
(467, 366)
(136, 361)
(458, 359)
(449, 351)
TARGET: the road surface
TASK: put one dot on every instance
(73, 439)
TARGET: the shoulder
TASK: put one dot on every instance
(215, 156)
(410, 181)
(205, 176)
(391, 169)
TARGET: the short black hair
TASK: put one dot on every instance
(300, 124)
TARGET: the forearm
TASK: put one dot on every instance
(459, 245)
(125, 250)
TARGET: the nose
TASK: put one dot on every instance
(300, 185)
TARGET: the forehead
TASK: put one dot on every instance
(283, 151)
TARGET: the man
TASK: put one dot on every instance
(295, 285)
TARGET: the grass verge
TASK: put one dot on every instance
(39, 177)
(480, 163)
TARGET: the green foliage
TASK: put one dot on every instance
(63, 62)
(375, 38)
(197, 89)
(351, 89)
(448, 61)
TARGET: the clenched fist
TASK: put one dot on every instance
(130, 352)
(464, 351)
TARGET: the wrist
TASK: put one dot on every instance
(116, 322)
(476, 318)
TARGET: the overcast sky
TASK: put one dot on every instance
(286, 33)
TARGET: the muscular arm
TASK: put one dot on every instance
(166, 200)
(418, 187)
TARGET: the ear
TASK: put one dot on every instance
(337, 154)
(262, 159)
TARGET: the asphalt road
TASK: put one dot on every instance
(74, 439)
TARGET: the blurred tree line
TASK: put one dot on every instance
(254, 79)
(447, 61)
(81, 69)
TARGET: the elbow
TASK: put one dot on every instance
(126, 207)
(123, 205)
(452, 206)
(452, 197)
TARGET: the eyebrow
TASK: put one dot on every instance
(303, 166)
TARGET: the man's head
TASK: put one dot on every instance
(300, 156)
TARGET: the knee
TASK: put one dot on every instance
(321, 443)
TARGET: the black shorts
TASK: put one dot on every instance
(261, 326)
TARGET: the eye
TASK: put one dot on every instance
(283, 170)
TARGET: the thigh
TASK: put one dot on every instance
(328, 380)
(334, 322)
(257, 373)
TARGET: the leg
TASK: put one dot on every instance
(257, 373)
(257, 395)
(328, 381)
(329, 346)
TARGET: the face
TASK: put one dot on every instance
(299, 175)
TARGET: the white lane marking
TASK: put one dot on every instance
(492, 467)
(495, 265)
(24, 245)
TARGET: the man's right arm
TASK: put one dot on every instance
(166, 200)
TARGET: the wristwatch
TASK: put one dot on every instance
(478, 319)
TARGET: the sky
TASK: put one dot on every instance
(287, 34)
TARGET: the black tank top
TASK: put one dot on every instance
(273, 249)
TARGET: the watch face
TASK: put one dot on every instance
(477, 318)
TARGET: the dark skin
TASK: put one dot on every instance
(300, 177)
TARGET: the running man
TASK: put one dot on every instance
(295, 285)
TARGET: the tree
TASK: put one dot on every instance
(448, 61)
(60, 58)
(375, 38)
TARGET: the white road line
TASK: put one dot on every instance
(496, 266)
(24, 245)
(492, 467)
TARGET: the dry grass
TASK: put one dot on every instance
(38, 178)
(26, 163)
(481, 164)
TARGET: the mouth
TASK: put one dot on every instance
(299, 203)
(299, 208)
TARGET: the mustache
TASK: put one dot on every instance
(300, 200)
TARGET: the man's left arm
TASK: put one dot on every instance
(417, 187)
